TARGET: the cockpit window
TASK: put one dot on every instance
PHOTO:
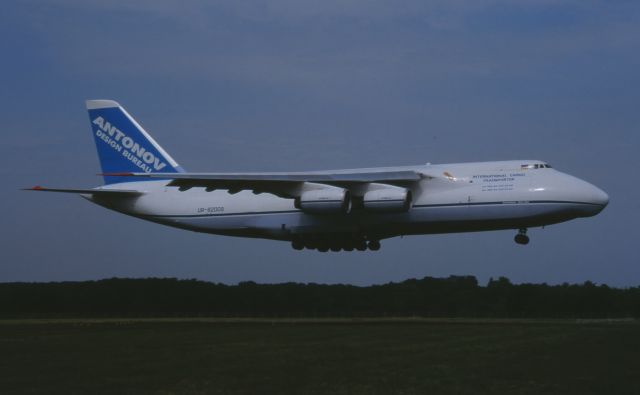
(535, 166)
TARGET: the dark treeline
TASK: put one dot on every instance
(455, 296)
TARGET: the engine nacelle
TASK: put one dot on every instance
(387, 199)
(324, 201)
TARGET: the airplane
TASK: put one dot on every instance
(340, 210)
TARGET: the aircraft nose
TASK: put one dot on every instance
(592, 200)
(596, 197)
(599, 197)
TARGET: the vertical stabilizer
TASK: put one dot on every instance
(123, 145)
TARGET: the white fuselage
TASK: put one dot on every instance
(451, 198)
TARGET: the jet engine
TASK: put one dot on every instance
(324, 201)
(387, 199)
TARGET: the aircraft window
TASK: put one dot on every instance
(535, 166)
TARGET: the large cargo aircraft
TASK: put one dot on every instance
(327, 210)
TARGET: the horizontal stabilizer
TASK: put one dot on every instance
(95, 192)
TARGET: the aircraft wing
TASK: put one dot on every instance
(281, 184)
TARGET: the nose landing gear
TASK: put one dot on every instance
(521, 237)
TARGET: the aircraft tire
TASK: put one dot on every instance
(323, 247)
(374, 245)
(297, 245)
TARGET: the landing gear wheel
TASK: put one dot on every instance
(361, 246)
(297, 245)
(522, 239)
(374, 245)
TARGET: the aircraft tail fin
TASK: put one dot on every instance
(123, 145)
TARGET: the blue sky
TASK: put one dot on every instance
(305, 85)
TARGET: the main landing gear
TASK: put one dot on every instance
(336, 245)
(374, 245)
(521, 237)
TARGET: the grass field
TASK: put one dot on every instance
(319, 357)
